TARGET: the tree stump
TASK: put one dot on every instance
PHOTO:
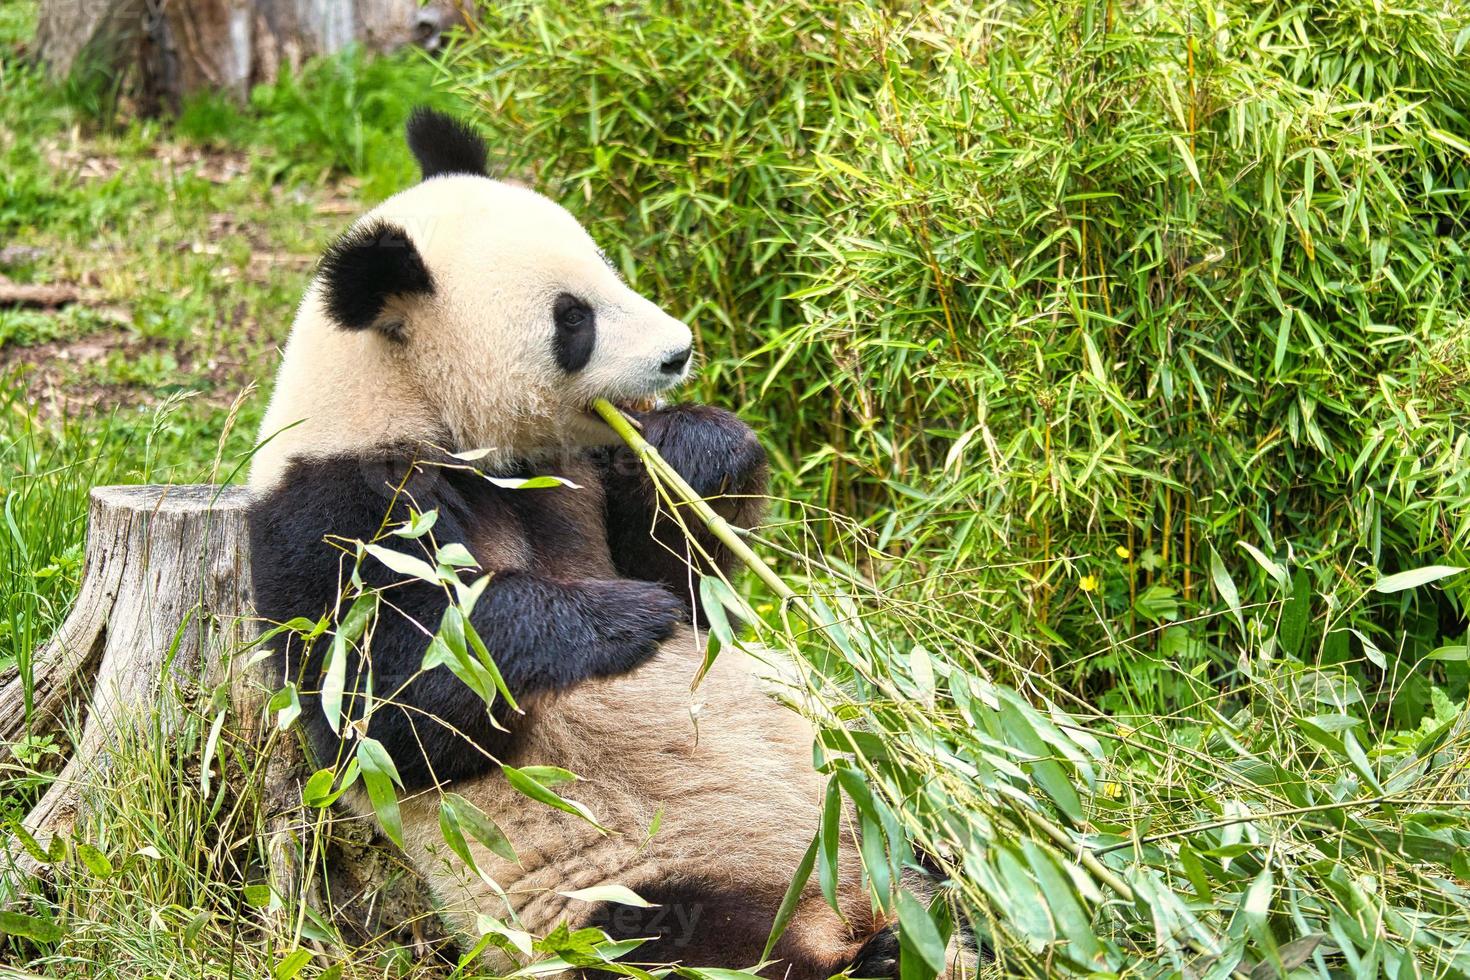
(163, 624)
(165, 594)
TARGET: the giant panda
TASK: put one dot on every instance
(471, 316)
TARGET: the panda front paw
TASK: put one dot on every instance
(711, 448)
(631, 620)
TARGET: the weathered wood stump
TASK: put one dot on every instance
(162, 627)
(165, 595)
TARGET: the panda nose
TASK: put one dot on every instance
(674, 363)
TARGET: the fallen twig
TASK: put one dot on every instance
(36, 295)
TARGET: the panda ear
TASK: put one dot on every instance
(365, 269)
(445, 145)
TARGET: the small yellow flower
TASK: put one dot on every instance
(1123, 552)
(1088, 583)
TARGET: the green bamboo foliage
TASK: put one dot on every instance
(1016, 283)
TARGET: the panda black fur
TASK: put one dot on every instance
(468, 314)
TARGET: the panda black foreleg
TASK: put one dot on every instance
(721, 459)
(545, 635)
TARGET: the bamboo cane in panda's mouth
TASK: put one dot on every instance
(684, 494)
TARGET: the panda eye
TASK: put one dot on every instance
(570, 312)
(576, 332)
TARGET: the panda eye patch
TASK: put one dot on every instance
(576, 331)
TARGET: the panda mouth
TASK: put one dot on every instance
(632, 408)
(633, 405)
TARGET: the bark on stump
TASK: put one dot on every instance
(163, 619)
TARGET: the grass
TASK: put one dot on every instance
(1113, 359)
(192, 246)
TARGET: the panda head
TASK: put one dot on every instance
(469, 311)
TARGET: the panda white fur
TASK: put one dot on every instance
(469, 314)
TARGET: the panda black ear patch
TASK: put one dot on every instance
(365, 268)
(445, 145)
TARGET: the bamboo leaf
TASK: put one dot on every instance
(480, 826)
(1295, 614)
(550, 775)
(379, 776)
(528, 786)
(617, 894)
(455, 555)
(33, 847)
(1225, 585)
(32, 927)
(453, 836)
(417, 524)
(404, 564)
(531, 483)
(830, 836)
(348, 632)
(286, 703)
(1277, 573)
(792, 898)
(920, 941)
(1188, 157)
(1415, 577)
(318, 792)
(291, 964)
(206, 755)
(95, 861)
